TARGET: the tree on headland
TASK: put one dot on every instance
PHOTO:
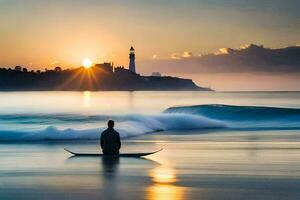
(57, 69)
(18, 68)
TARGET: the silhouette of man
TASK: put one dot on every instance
(110, 140)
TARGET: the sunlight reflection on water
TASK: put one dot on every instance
(133, 102)
(87, 99)
(164, 178)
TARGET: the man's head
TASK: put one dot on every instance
(110, 123)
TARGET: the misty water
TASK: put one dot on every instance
(215, 145)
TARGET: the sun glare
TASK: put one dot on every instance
(87, 63)
(163, 175)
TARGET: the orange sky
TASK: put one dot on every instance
(43, 34)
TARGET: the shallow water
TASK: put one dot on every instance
(194, 165)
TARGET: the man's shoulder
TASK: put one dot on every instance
(105, 131)
(108, 130)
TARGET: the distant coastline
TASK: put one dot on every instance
(96, 78)
(99, 77)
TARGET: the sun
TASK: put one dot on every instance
(87, 63)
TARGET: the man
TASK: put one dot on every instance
(110, 140)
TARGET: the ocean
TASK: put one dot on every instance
(216, 145)
(38, 116)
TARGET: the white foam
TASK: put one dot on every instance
(131, 125)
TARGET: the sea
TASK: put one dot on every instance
(41, 116)
(216, 145)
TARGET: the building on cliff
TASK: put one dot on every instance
(105, 67)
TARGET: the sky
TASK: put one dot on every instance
(42, 34)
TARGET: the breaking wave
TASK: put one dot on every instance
(129, 125)
(38, 127)
(254, 117)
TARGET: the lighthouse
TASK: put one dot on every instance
(132, 60)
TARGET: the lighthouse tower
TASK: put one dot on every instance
(132, 60)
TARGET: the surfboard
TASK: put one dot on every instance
(129, 155)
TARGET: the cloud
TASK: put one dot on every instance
(247, 58)
(187, 54)
(175, 56)
(222, 51)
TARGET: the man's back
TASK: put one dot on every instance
(110, 141)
